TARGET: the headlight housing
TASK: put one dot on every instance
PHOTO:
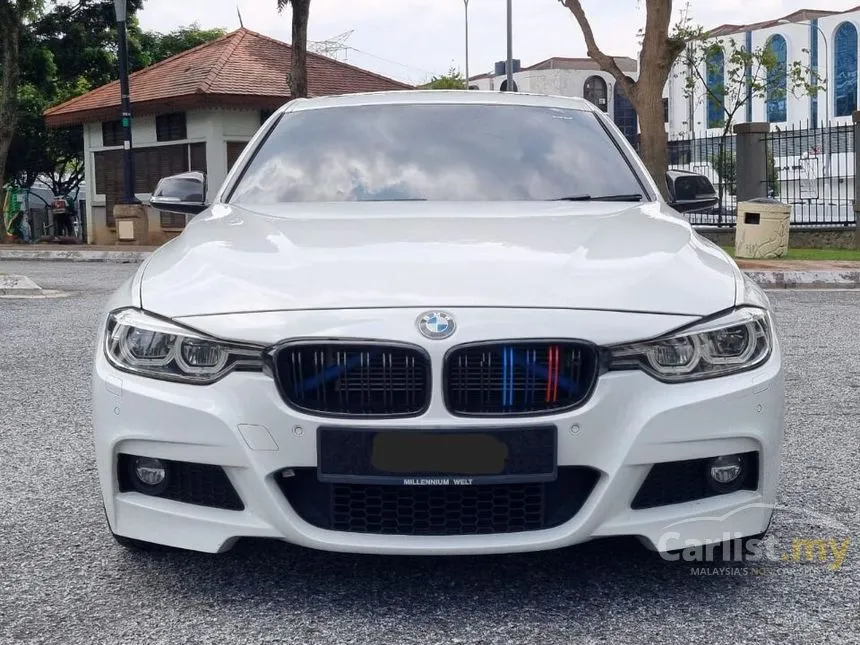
(736, 342)
(144, 344)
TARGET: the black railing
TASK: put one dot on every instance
(812, 169)
(715, 158)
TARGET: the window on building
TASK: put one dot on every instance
(813, 66)
(234, 149)
(666, 110)
(594, 90)
(112, 134)
(170, 127)
(715, 70)
(845, 72)
(777, 110)
(150, 164)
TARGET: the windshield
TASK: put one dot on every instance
(436, 152)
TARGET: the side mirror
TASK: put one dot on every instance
(689, 191)
(184, 194)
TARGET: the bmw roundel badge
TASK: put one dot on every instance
(436, 325)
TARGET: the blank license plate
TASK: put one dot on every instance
(437, 457)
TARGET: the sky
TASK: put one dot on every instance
(412, 40)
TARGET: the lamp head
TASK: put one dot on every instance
(120, 6)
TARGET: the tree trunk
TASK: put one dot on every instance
(299, 68)
(9, 77)
(659, 52)
(653, 143)
(657, 57)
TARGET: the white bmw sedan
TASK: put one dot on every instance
(436, 323)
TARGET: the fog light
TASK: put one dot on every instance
(150, 475)
(725, 473)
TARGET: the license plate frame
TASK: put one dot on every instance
(357, 446)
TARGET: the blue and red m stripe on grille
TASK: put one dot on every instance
(537, 376)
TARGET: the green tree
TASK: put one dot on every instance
(725, 76)
(298, 76)
(660, 50)
(154, 46)
(69, 51)
(453, 80)
(66, 50)
(14, 16)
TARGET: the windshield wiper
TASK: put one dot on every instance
(633, 197)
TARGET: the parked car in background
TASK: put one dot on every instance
(436, 323)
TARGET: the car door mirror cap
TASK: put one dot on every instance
(184, 193)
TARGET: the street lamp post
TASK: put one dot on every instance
(127, 156)
(466, 7)
(510, 64)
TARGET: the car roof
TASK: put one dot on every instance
(439, 97)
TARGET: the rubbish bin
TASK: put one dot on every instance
(762, 228)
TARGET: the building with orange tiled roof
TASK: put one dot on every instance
(193, 111)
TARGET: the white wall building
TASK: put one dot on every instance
(211, 141)
(826, 42)
(579, 77)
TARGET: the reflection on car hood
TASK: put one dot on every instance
(612, 256)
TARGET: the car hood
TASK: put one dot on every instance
(611, 256)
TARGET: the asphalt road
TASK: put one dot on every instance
(63, 580)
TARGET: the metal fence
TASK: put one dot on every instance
(813, 170)
(810, 168)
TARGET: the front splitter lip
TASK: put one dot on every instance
(669, 528)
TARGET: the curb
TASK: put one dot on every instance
(834, 279)
(805, 279)
(72, 255)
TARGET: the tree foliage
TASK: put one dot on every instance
(14, 18)
(727, 77)
(745, 75)
(67, 51)
(453, 80)
(154, 47)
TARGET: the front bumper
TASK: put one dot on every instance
(630, 423)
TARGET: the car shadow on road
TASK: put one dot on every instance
(601, 576)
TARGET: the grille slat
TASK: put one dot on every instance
(520, 377)
(354, 379)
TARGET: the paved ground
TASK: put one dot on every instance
(62, 579)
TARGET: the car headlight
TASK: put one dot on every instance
(150, 346)
(738, 341)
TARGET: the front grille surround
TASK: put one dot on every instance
(419, 373)
(589, 370)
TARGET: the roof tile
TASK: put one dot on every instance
(244, 68)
